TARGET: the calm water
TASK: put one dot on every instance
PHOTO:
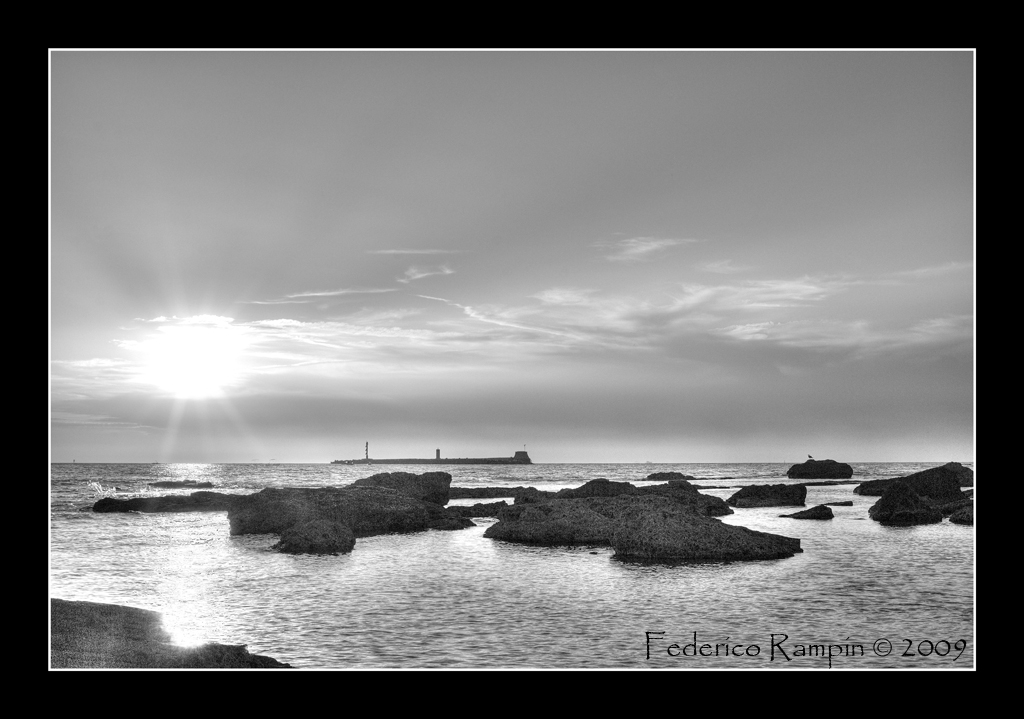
(456, 599)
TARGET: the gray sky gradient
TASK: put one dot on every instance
(606, 256)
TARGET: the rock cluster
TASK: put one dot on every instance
(820, 469)
(647, 526)
(769, 495)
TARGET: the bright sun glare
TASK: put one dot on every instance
(194, 361)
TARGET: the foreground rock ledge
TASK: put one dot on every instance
(645, 528)
(89, 635)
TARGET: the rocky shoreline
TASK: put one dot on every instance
(90, 635)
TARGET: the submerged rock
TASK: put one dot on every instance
(847, 503)
(820, 469)
(89, 635)
(900, 506)
(940, 484)
(964, 515)
(195, 502)
(318, 536)
(429, 486)
(367, 511)
(819, 512)
(639, 527)
(769, 495)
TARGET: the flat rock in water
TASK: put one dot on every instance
(640, 527)
(89, 635)
(769, 495)
(940, 484)
(195, 502)
(429, 486)
(901, 506)
(367, 511)
(819, 512)
(820, 469)
(670, 476)
(667, 536)
(847, 503)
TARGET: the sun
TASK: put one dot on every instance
(194, 361)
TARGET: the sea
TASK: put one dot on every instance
(860, 596)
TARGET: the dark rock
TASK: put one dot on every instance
(483, 492)
(317, 536)
(847, 503)
(367, 511)
(683, 491)
(531, 495)
(951, 507)
(819, 512)
(557, 522)
(900, 506)
(479, 510)
(640, 528)
(669, 476)
(598, 488)
(830, 483)
(195, 502)
(429, 486)
(769, 495)
(964, 515)
(939, 484)
(88, 635)
(189, 483)
(664, 535)
(820, 469)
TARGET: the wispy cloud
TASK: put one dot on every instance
(639, 249)
(564, 296)
(412, 252)
(722, 267)
(416, 273)
(298, 298)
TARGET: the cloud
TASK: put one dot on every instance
(722, 267)
(564, 296)
(297, 297)
(638, 249)
(416, 273)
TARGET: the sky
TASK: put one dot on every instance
(672, 256)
